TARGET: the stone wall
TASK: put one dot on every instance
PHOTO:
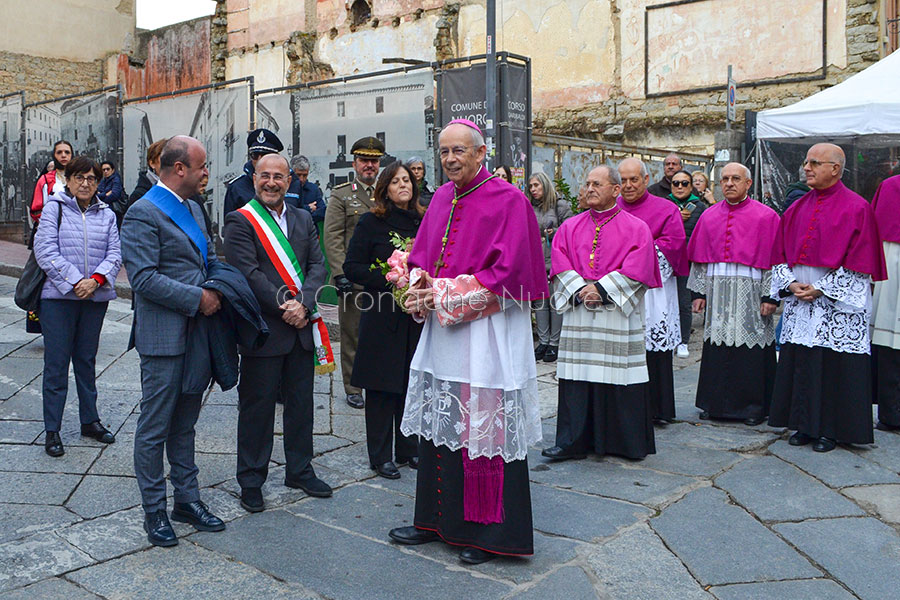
(688, 121)
(44, 78)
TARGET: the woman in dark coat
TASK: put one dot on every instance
(387, 335)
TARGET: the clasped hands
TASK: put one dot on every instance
(420, 297)
(590, 296)
(295, 314)
(85, 288)
(804, 291)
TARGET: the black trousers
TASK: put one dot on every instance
(384, 412)
(685, 314)
(263, 380)
(71, 335)
(886, 376)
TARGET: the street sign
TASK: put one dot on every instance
(730, 98)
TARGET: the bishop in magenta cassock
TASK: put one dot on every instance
(604, 260)
(886, 308)
(472, 398)
(826, 255)
(731, 260)
(662, 324)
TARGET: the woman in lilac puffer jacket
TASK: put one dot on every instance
(81, 259)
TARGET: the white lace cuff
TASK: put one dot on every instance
(698, 279)
(782, 277)
(850, 289)
(665, 269)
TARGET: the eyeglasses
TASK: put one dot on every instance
(90, 179)
(681, 184)
(817, 163)
(277, 177)
(456, 150)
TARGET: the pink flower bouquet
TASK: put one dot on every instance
(395, 269)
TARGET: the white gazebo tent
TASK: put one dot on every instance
(862, 114)
(866, 105)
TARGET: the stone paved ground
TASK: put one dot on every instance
(722, 511)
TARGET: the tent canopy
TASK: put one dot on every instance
(866, 105)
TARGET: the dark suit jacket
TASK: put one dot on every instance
(165, 270)
(387, 335)
(244, 251)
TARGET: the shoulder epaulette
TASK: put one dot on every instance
(345, 184)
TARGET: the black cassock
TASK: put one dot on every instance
(823, 393)
(736, 382)
(439, 504)
(605, 418)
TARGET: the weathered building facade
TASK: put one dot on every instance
(51, 48)
(642, 72)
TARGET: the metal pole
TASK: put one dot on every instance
(490, 87)
(728, 100)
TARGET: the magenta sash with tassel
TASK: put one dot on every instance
(482, 489)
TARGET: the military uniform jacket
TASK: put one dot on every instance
(348, 202)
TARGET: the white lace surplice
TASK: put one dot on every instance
(473, 383)
(886, 301)
(838, 320)
(663, 327)
(733, 295)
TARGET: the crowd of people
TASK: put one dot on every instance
(444, 362)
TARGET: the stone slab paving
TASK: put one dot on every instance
(820, 589)
(744, 550)
(50, 589)
(637, 564)
(861, 553)
(721, 511)
(838, 468)
(880, 500)
(756, 481)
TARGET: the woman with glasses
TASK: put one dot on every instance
(81, 258)
(691, 206)
(702, 187)
(550, 211)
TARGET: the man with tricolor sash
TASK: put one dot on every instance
(276, 247)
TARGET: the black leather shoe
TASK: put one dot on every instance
(475, 556)
(754, 421)
(356, 400)
(312, 486)
(410, 536)
(799, 439)
(197, 514)
(412, 461)
(97, 431)
(885, 427)
(252, 500)
(550, 356)
(540, 351)
(824, 444)
(557, 453)
(387, 470)
(704, 415)
(53, 444)
(159, 530)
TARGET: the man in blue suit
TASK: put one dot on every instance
(167, 252)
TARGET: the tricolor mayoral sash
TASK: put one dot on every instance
(285, 261)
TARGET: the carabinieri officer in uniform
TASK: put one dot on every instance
(348, 202)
